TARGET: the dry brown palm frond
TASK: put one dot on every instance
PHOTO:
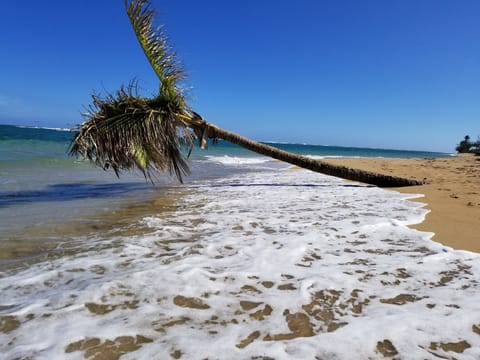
(124, 131)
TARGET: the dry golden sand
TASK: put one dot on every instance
(452, 193)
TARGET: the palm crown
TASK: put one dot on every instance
(126, 131)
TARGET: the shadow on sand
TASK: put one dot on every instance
(68, 192)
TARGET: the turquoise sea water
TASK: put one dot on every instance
(42, 188)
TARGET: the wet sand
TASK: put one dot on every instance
(62, 238)
(452, 193)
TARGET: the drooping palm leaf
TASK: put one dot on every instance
(125, 131)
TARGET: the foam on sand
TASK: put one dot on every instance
(284, 264)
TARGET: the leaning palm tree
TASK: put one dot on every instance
(125, 131)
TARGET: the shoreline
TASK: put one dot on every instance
(252, 265)
(451, 193)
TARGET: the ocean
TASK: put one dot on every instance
(248, 259)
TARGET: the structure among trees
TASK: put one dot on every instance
(467, 146)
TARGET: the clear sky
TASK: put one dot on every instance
(401, 74)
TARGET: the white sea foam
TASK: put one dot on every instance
(235, 160)
(319, 157)
(285, 264)
(42, 127)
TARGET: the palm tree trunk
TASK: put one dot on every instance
(343, 172)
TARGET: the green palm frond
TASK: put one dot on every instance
(154, 43)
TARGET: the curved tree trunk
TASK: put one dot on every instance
(213, 131)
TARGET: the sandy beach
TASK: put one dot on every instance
(452, 193)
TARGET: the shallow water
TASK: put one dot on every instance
(247, 259)
(280, 264)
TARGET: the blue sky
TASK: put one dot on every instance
(401, 74)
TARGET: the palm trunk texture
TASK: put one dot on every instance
(343, 172)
